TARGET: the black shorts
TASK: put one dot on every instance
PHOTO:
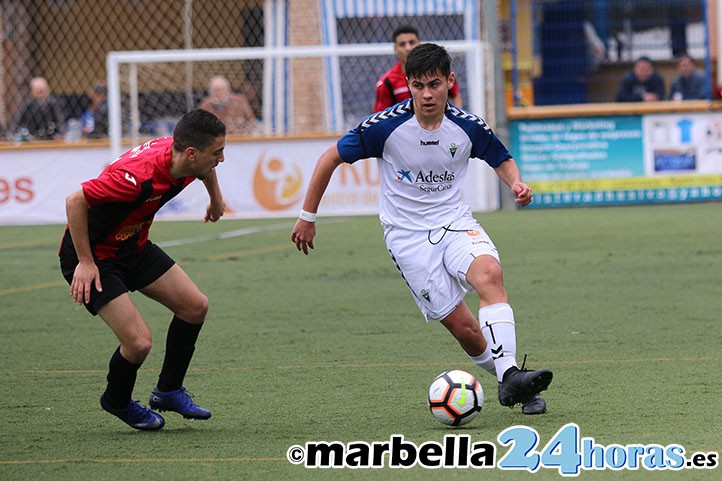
(117, 276)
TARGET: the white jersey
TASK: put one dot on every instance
(421, 171)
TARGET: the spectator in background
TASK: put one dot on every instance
(392, 87)
(233, 109)
(642, 84)
(41, 117)
(690, 84)
(94, 120)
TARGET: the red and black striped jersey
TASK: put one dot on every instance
(125, 197)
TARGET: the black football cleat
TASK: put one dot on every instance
(519, 386)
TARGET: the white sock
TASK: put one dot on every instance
(484, 361)
(497, 324)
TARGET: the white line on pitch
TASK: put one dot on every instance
(235, 233)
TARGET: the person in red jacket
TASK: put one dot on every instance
(392, 87)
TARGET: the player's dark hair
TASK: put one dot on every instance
(402, 29)
(197, 128)
(428, 58)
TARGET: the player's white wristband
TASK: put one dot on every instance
(307, 216)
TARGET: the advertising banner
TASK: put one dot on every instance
(621, 160)
(259, 179)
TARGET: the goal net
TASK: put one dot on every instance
(299, 91)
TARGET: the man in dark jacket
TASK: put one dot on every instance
(691, 84)
(642, 84)
(41, 118)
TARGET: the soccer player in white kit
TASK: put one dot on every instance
(423, 146)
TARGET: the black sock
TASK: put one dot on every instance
(121, 380)
(179, 347)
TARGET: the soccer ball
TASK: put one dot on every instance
(455, 397)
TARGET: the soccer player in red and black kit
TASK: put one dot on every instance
(105, 253)
(392, 87)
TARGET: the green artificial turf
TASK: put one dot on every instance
(623, 304)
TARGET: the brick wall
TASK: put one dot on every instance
(306, 73)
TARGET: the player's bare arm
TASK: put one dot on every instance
(509, 173)
(216, 208)
(86, 272)
(304, 231)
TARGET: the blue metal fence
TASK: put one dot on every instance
(582, 48)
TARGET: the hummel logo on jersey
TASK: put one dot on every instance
(130, 179)
(403, 174)
(429, 142)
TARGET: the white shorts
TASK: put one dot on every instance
(434, 263)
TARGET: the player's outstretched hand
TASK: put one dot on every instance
(303, 234)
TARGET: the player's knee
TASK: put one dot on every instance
(489, 275)
(196, 310)
(138, 349)
(493, 273)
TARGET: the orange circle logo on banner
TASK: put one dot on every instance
(277, 184)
